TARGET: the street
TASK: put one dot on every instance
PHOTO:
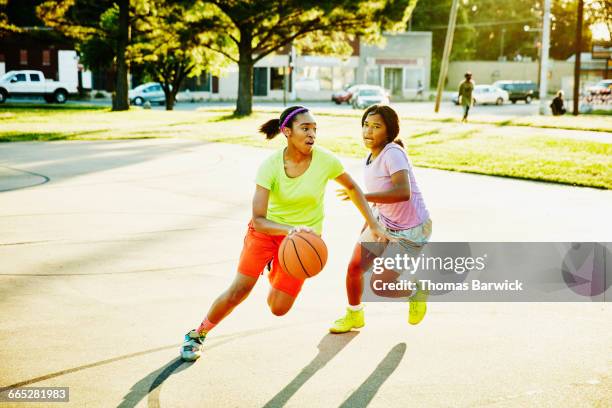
(403, 108)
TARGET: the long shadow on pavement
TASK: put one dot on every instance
(150, 385)
(329, 346)
(363, 395)
(151, 382)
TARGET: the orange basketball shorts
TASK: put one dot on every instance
(258, 250)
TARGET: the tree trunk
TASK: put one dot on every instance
(244, 103)
(170, 98)
(121, 102)
(171, 86)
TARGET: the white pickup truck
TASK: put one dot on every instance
(33, 83)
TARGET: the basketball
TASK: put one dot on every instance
(302, 255)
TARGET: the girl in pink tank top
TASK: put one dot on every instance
(400, 207)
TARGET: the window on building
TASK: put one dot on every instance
(23, 57)
(373, 76)
(260, 81)
(35, 78)
(325, 78)
(277, 79)
(201, 83)
(305, 79)
(204, 82)
(413, 76)
(343, 76)
(215, 84)
(46, 57)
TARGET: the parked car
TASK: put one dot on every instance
(33, 83)
(345, 94)
(150, 92)
(485, 94)
(367, 95)
(519, 90)
(602, 87)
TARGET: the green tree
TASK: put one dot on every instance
(93, 23)
(433, 16)
(600, 11)
(6, 26)
(16, 14)
(486, 31)
(252, 29)
(169, 44)
(18, 19)
(563, 30)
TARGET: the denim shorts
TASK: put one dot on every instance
(411, 240)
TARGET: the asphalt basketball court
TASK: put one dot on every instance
(111, 251)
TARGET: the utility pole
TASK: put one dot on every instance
(285, 78)
(539, 63)
(452, 19)
(544, 57)
(577, 60)
(501, 47)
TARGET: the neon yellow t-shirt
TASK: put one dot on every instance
(298, 200)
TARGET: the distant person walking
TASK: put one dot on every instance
(420, 88)
(558, 105)
(465, 95)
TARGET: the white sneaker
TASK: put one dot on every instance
(192, 346)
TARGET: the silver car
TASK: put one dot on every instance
(367, 95)
(150, 92)
(486, 94)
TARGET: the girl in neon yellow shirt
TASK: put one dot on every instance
(288, 198)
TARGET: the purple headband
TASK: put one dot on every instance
(292, 114)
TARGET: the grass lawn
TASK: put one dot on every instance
(607, 112)
(596, 121)
(441, 144)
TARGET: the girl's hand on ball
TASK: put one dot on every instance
(300, 228)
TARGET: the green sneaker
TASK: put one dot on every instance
(352, 320)
(418, 306)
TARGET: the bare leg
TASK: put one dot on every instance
(388, 276)
(280, 302)
(232, 297)
(354, 277)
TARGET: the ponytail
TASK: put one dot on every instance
(399, 141)
(272, 127)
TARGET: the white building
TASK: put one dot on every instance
(399, 65)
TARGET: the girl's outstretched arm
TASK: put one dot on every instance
(355, 194)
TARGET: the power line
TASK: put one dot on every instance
(486, 23)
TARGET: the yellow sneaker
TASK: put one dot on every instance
(418, 306)
(351, 320)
